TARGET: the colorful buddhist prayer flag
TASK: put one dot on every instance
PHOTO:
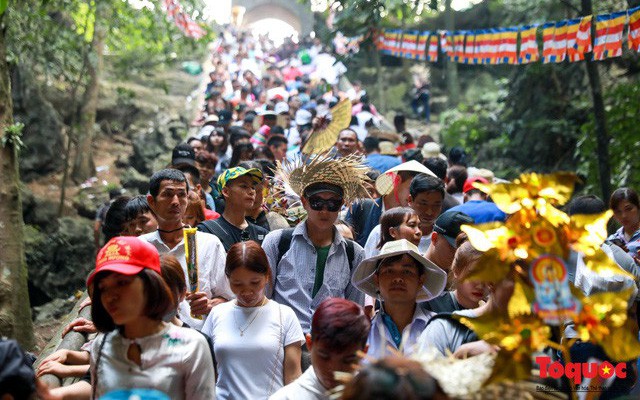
(445, 43)
(432, 52)
(470, 49)
(410, 45)
(493, 44)
(458, 46)
(389, 42)
(396, 42)
(573, 26)
(634, 29)
(608, 40)
(528, 45)
(423, 38)
(583, 37)
(554, 45)
(188, 26)
(508, 48)
(480, 45)
(378, 39)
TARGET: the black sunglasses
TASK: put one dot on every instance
(318, 204)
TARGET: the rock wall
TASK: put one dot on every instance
(43, 132)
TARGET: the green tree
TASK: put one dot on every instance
(15, 314)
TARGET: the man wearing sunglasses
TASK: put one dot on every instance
(238, 187)
(317, 262)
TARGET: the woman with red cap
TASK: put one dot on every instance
(137, 349)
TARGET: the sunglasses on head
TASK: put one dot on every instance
(318, 204)
(244, 235)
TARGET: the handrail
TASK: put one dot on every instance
(71, 341)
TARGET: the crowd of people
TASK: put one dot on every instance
(305, 266)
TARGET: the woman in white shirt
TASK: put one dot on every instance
(256, 341)
(137, 349)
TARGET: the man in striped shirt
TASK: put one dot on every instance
(316, 265)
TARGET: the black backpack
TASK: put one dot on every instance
(285, 243)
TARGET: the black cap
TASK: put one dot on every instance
(321, 187)
(16, 375)
(224, 117)
(448, 225)
(183, 154)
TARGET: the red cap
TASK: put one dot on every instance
(468, 184)
(126, 255)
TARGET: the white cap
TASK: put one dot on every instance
(303, 117)
(281, 108)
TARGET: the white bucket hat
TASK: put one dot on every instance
(364, 281)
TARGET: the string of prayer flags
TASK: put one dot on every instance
(562, 40)
(188, 26)
(634, 29)
(608, 40)
(432, 52)
(528, 45)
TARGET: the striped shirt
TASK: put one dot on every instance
(295, 274)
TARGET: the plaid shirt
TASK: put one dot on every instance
(295, 274)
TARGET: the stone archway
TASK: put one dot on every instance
(299, 16)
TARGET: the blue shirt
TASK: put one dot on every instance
(381, 162)
(296, 272)
(481, 211)
(363, 216)
(633, 244)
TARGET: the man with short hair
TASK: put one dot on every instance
(238, 187)
(443, 238)
(438, 166)
(278, 145)
(347, 143)
(167, 198)
(476, 204)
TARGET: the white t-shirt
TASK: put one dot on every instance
(211, 277)
(306, 387)
(250, 366)
(176, 361)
